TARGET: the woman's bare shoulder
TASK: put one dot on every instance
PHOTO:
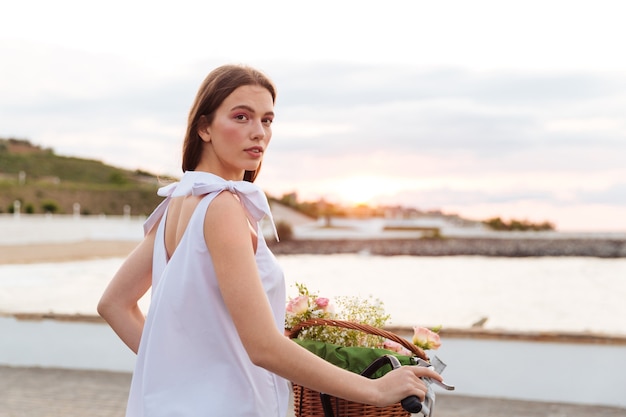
(225, 215)
(225, 202)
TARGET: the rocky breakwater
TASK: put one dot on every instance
(478, 246)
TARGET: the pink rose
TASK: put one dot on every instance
(323, 304)
(426, 338)
(298, 305)
(396, 347)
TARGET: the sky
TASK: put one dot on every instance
(514, 109)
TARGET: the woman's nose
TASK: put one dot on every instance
(258, 130)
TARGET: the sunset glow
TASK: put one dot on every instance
(361, 189)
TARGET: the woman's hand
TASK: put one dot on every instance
(403, 382)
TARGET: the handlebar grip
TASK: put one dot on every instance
(411, 404)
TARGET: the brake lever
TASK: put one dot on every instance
(438, 365)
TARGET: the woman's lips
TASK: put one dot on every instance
(255, 152)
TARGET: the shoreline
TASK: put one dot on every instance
(456, 333)
(452, 246)
(457, 246)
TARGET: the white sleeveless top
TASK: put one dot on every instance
(191, 361)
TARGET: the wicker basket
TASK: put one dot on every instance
(308, 403)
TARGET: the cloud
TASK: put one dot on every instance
(331, 108)
(452, 137)
(408, 109)
(614, 195)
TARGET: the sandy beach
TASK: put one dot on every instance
(92, 249)
(64, 251)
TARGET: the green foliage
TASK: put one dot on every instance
(40, 163)
(497, 223)
(144, 173)
(64, 181)
(310, 209)
(118, 178)
(285, 231)
(49, 206)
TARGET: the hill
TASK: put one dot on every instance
(45, 182)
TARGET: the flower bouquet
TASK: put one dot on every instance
(349, 333)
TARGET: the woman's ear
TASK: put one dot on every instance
(204, 130)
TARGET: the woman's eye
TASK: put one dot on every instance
(241, 117)
(268, 121)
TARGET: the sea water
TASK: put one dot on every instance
(546, 294)
(560, 294)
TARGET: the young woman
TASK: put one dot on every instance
(212, 342)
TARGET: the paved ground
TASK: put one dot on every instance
(37, 392)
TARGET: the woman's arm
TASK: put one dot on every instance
(228, 239)
(118, 304)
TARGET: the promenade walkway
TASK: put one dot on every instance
(43, 392)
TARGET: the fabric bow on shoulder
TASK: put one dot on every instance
(198, 183)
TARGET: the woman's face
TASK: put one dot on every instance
(239, 134)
